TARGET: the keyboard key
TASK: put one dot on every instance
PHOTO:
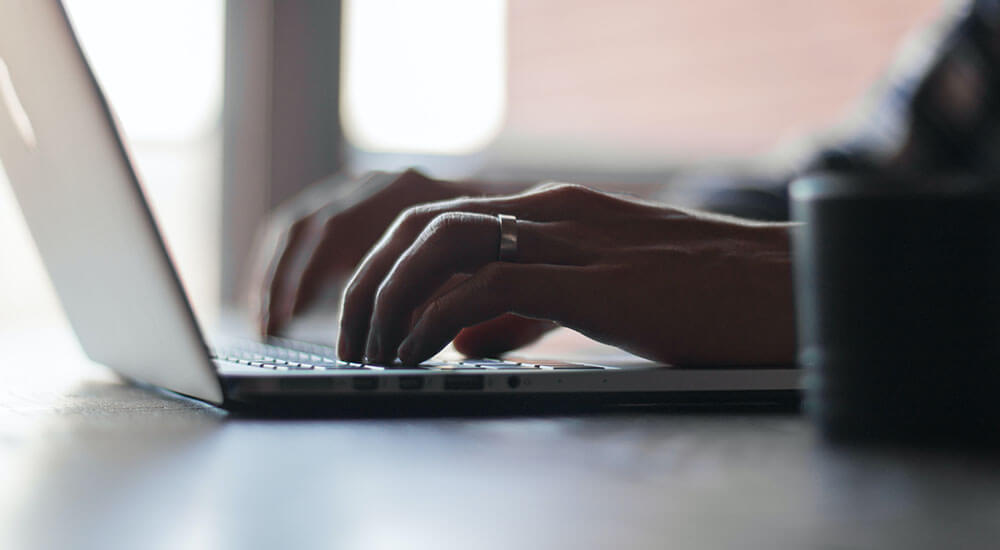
(283, 354)
(547, 364)
(436, 364)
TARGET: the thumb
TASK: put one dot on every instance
(499, 335)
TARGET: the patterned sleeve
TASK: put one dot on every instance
(936, 109)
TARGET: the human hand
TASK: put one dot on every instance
(317, 239)
(667, 284)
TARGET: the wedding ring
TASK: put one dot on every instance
(508, 238)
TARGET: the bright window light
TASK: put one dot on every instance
(160, 63)
(423, 77)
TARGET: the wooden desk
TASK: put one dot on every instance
(87, 462)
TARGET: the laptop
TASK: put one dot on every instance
(85, 209)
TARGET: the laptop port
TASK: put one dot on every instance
(411, 382)
(364, 383)
(513, 382)
(464, 382)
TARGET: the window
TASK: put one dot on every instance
(594, 83)
(423, 77)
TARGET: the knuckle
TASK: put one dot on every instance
(578, 196)
(575, 191)
(414, 218)
(566, 193)
(566, 189)
(351, 292)
(548, 186)
(303, 220)
(301, 229)
(296, 227)
(330, 222)
(285, 218)
(411, 175)
(446, 223)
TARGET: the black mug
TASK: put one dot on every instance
(898, 306)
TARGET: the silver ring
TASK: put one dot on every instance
(507, 251)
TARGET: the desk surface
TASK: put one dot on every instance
(88, 462)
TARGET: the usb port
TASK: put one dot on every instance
(411, 382)
(464, 382)
(364, 383)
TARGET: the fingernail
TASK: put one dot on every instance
(406, 351)
(372, 352)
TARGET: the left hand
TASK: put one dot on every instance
(317, 238)
(667, 284)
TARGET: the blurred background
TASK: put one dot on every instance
(231, 107)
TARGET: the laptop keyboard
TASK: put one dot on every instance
(280, 354)
(284, 354)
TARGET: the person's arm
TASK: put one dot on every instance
(672, 285)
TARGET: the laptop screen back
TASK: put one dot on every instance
(86, 211)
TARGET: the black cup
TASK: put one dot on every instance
(898, 306)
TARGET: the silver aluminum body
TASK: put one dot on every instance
(85, 209)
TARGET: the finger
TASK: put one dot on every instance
(275, 274)
(447, 287)
(277, 243)
(536, 291)
(267, 247)
(275, 284)
(287, 272)
(342, 243)
(497, 336)
(307, 282)
(359, 295)
(356, 305)
(453, 243)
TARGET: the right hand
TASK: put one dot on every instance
(672, 285)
